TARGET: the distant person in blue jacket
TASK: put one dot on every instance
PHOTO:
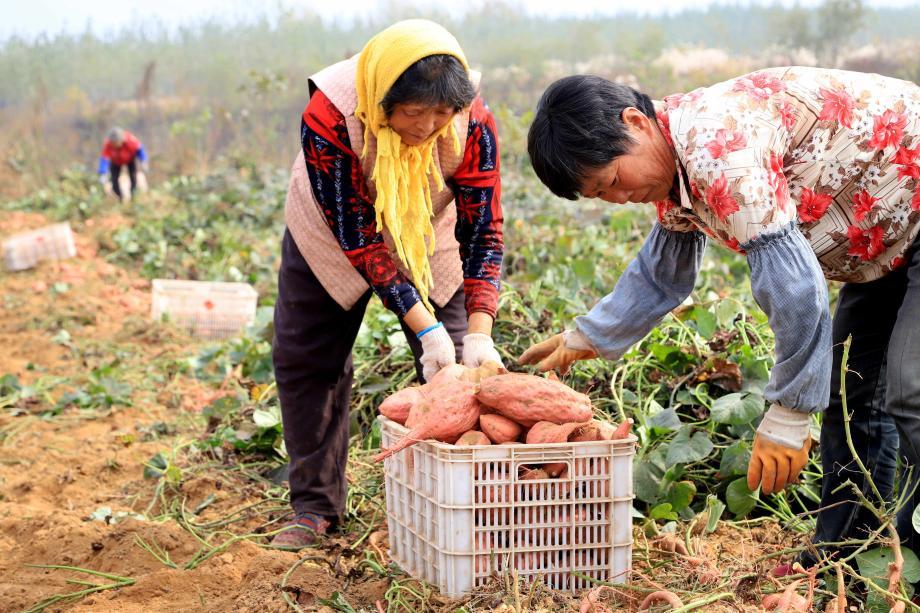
(121, 148)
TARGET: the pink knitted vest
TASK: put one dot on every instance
(313, 236)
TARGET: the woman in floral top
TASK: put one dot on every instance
(810, 173)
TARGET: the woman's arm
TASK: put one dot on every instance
(658, 280)
(789, 286)
(477, 189)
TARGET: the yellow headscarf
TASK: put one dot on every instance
(401, 171)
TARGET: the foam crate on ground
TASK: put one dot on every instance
(456, 514)
(25, 250)
(205, 308)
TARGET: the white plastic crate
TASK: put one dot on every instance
(25, 250)
(205, 308)
(457, 514)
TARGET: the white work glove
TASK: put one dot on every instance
(437, 350)
(103, 179)
(479, 348)
(145, 166)
(784, 426)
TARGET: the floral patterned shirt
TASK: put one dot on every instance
(835, 152)
(812, 174)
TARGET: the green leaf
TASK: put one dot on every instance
(685, 448)
(715, 508)
(662, 511)
(665, 420)
(705, 321)
(648, 471)
(741, 500)
(726, 312)
(155, 467)
(681, 494)
(873, 564)
(739, 408)
(735, 460)
(267, 418)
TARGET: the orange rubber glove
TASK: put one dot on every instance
(773, 466)
(559, 352)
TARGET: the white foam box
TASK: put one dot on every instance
(25, 250)
(208, 309)
(458, 514)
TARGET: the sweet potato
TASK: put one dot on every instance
(499, 428)
(487, 369)
(454, 372)
(493, 486)
(544, 432)
(397, 405)
(622, 430)
(548, 432)
(443, 416)
(528, 399)
(473, 437)
(598, 430)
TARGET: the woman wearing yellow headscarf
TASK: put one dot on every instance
(397, 190)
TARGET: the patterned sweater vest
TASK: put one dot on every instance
(308, 226)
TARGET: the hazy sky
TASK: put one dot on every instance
(30, 18)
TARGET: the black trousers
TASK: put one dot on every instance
(883, 397)
(313, 369)
(115, 170)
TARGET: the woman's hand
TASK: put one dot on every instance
(780, 449)
(479, 348)
(559, 352)
(437, 350)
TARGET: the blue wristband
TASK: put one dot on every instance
(429, 329)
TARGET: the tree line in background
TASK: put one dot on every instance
(218, 89)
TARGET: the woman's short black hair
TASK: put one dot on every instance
(435, 80)
(579, 127)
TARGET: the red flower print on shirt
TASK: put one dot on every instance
(787, 114)
(734, 245)
(695, 190)
(673, 101)
(324, 160)
(915, 201)
(865, 245)
(380, 267)
(664, 124)
(759, 85)
(662, 207)
(864, 203)
(812, 206)
(897, 262)
(838, 106)
(724, 142)
(887, 129)
(778, 181)
(720, 199)
(907, 160)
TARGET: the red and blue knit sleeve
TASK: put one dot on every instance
(477, 188)
(341, 192)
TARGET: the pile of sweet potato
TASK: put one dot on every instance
(489, 405)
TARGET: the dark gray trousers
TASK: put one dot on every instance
(313, 368)
(883, 396)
